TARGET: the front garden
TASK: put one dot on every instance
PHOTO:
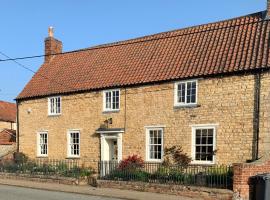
(46, 167)
(175, 169)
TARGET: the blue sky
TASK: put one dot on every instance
(84, 23)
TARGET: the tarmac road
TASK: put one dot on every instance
(20, 193)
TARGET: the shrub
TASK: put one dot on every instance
(172, 174)
(175, 156)
(131, 163)
(134, 175)
(20, 157)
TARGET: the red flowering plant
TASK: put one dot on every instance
(131, 163)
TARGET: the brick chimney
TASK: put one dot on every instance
(52, 46)
(268, 9)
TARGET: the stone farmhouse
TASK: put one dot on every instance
(205, 88)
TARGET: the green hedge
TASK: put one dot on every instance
(60, 169)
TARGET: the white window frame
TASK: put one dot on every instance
(49, 106)
(104, 100)
(69, 155)
(38, 144)
(148, 129)
(193, 149)
(176, 103)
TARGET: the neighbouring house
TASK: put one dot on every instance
(7, 143)
(7, 115)
(205, 88)
(8, 112)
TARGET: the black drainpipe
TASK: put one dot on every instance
(18, 127)
(256, 115)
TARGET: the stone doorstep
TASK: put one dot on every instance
(42, 178)
(188, 191)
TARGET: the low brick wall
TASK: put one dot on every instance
(42, 178)
(189, 191)
(242, 185)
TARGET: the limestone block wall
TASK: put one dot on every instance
(227, 102)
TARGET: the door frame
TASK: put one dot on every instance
(118, 137)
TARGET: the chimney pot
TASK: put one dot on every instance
(50, 31)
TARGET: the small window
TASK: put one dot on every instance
(54, 105)
(203, 144)
(73, 144)
(154, 146)
(111, 100)
(185, 93)
(42, 144)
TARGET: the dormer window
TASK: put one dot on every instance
(111, 100)
(185, 93)
(54, 106)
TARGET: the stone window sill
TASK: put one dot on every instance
(186, 106)
(110, 111)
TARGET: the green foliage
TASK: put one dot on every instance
(219, 176)
(20, 157)
(172, 174)
(134, 175)
(27, 166)
(176, 156)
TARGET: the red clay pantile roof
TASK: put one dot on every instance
(235, 45)
(7, 111)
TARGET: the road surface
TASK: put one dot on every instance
(20, 193)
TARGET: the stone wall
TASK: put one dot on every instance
(188, 191)
(7, 125)
(6, 151)
(43, 178)
(226, 102)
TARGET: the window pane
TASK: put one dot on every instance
(204, 140)
(116, 99)
(155, 144)
(209, 140)
(52, 105)
(210, 132)
(209, 158)
(181, 92)
(74, 143)
(198, 149)
(43, 145)
(193, 92)
(58, 105)
(204, 144)
(55, 105)
(108, 100)
(210, 149)
(188, 92)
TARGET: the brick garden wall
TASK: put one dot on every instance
(242, 184)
